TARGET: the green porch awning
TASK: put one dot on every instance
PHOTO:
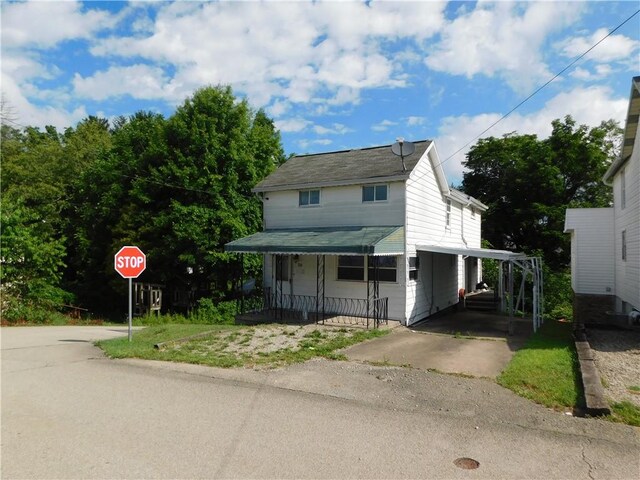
(327, 241)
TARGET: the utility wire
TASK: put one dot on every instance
(539, 88)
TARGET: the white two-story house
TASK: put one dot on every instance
(605, 242)
(348, 233)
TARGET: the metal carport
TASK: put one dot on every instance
(508, 261)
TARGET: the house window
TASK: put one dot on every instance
(387, 268)
(448, 214)
(352, 268)
(623, 190)
(282, 267)
(375, 193)
(473, 212)
(624, 244)
(308, 197)
(414, 266)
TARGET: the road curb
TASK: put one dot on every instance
(596, 403)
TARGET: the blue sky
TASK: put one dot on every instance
(333, 75)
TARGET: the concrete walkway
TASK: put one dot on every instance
(431, 351)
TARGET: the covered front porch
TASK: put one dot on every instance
(341, 275)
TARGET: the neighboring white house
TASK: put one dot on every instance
(342, 228)
(605, 242)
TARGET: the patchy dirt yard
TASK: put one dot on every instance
(268, 345)
(617, 354)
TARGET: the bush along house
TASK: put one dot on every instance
(363, 236)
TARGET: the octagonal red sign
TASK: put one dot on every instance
(130, 262)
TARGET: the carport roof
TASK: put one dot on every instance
(472, 252)
(329, 241)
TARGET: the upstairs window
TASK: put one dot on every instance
(375, 193)
(448, 214)
(308, 198)
(624, 245)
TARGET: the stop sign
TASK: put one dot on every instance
(130, 262)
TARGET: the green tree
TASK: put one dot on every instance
(528, 184)
(180, 189)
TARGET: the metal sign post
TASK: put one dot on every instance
(130, 262)
(130, 312)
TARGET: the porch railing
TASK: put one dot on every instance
(348, 311)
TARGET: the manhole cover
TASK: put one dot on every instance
(466, 463)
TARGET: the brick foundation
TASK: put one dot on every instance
(593, 308)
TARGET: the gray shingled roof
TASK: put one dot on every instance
(341, 167)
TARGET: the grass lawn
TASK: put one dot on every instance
(237, 346)
(546, 370)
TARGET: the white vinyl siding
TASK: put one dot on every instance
(426, 224)
(340, 206)
(627, 272)
(592, 252)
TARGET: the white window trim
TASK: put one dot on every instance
(310, 205)
(386, 185)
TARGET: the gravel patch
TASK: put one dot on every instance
(617, 357)
(260, 340)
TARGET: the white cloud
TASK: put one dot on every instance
(292, 124)
(588, 106)
(501, 39)
(383, 125)
(334, 129)
(614, 48)
(413, 121)
(27, 113)
(304, 144)
(139, 81)
(299, 51)
(44, 24)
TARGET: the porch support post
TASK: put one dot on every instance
(511, 325)
(242, 283)
(369, 289)
(501, 285)
(373, 290)
(320, 288)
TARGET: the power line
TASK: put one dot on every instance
(539, 88)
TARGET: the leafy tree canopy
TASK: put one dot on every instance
(529, 183)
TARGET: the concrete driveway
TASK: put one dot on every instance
(470, 343)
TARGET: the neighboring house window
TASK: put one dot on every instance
(375, 193)
(282, 268)
(414, 266)
(623, 190)
(624, 244)
(448, 215)
(352, 268)
(308, 197)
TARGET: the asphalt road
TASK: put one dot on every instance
(68, 412)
